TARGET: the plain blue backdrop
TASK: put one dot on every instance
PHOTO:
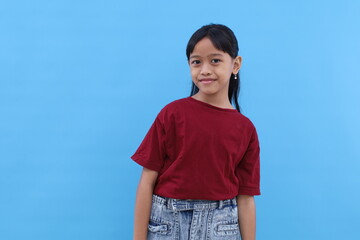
(82, 81)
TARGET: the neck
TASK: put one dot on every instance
(221, 101)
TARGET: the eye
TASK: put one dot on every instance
(215, 60)
(195, 62)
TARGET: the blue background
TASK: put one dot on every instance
(82, 81)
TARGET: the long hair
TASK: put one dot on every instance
(223, 39)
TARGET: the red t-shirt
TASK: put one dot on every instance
(201, 152)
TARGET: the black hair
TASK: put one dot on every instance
(223, 39)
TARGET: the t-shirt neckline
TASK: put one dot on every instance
(209, 105)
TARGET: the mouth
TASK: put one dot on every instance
(206, 80)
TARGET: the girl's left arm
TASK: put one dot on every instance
(247, 216)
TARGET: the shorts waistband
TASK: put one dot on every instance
(183, 205)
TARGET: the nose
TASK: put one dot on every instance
(205, 69)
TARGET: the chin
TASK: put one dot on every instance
(206, 92)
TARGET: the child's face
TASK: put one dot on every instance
(211, 68)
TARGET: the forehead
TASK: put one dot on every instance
(205, 48)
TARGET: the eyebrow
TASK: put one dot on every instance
(211, 55)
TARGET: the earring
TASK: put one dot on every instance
(235, 76)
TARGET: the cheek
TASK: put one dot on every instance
(228, 72)
(193, 73)
(194, 76)
(231, 68)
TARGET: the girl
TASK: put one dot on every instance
(200, 157)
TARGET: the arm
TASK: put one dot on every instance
(143, 203)
(247, 216)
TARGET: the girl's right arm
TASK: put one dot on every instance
(143, 203)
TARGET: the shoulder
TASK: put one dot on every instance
(173, 106)
(176, 103)
(172, 109)
(247, 121)
(247, 126)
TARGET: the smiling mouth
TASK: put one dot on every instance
(206, 80)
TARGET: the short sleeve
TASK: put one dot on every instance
(248, 170)
(151, 152)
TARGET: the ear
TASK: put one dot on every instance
(237, 64)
